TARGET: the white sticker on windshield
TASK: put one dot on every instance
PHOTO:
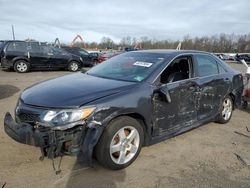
(143, 64)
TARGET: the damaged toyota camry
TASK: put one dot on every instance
(132, 100)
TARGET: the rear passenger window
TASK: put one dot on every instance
(17, 47)
(35, 47)
(206, 65)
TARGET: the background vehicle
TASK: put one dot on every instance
(2, 43)
(226, 57)
(87, 58)
(95, 55)
(24, 56)
(245, 57)
(134, 99)
(107, 55)
(1, 46)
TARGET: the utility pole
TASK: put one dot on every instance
(13, 33)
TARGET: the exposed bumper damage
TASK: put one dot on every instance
(79, 141)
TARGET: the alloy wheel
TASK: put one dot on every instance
(74, 66)
(124, 145)
(227, 109)
(22, 67)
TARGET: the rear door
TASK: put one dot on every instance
(39, 55)
(211, 83)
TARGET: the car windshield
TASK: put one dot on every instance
(131, 66)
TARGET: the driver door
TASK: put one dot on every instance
(174, 101)
(39, 56)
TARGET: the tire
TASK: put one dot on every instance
(73, 66)
(21, 66)
(226, 110)
(245, 104)
(117, 134)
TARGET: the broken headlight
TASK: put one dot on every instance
(62, 117)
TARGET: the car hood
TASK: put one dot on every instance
(72, 91)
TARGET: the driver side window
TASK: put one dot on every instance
(179, 69)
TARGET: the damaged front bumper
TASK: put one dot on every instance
(79, 140)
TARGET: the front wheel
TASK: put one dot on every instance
(73, 66)
(120, 143)
(226, 110)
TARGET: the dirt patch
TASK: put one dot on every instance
(7, 91)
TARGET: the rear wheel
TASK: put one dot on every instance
(120, 143)
(226, 110)
(21, 66)
(73, 66)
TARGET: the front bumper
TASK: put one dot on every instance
(22, 132)
(79, 140)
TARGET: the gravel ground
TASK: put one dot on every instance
(203, 157)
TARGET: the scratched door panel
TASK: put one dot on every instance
(187, 111)
(207, 97)
(180, 112)
(165, 114)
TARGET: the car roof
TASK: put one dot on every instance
(170, 51)
(69, 47)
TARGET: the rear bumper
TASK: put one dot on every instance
(79, 140)
(6, 64)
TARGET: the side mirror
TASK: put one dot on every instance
(164, 90)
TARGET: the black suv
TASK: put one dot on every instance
(88, 59)
(23, 56)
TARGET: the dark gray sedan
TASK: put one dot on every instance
(132, 100)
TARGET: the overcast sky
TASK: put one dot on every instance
(45, 20)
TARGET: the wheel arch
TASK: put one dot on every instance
(141, 121)
(74, 60)
(232, 95)
(20, 59)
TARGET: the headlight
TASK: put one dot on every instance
(81, 59)
(63, 117)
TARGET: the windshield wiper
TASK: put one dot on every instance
(111, 78)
